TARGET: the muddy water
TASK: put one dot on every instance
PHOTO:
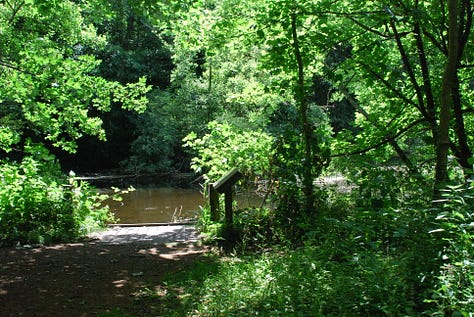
(157, 205)
(166, 204)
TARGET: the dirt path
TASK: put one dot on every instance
(86, 279)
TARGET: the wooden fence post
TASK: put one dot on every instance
(213, 202)
(223, 186)
(229, 217)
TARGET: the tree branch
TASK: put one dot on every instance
(465, 25)
(351, 15)
(8, 65)
(403, 156)
(425, 72)
(15, 10)
(345, 14)
(410, 72)
(440, 45)
(303, 109)
(388, 139)
(390, 87)
(367, 28)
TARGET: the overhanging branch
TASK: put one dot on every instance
(15, 9)
(390, 87)
(387, 140)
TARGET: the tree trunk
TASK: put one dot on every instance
(446, 100)
(307, 130)
(463, 151)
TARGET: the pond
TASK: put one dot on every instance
(165, 204)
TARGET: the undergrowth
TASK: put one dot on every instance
(413, 260)
(40, 205)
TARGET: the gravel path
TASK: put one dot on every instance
(148, 234)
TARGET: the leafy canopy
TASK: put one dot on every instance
(48, 85)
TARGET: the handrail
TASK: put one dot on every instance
(223, 185)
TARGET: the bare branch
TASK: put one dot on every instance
(347, 14)
(390, 87)
(425, 72)
(465, 27)
(367, 28)
(401, 153)
(410, 72)
(440, 45)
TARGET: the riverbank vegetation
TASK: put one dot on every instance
(42, 206)
(289, 92)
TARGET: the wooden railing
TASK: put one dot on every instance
(223, 186)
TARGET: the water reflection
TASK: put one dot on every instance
(145, 205)
(157, 205)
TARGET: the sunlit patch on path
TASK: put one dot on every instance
(88, 278)
(148, 234)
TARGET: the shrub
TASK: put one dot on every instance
(453, 294)
(38, 204)
(300, 282)
(226, 146)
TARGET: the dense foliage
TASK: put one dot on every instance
(289, 92)
(226, 147)
(356, 262)
(50, 96)
(38, 204)
(47, 84)
(406, 142)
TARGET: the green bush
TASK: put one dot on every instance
(256, 228)
(227, 146)
(290, 170)
(453, 294)
(253, 229)
(40, 205)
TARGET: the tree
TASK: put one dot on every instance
(135, 48)
(449, 93)
(216, 76)
(233, 34)
(48, 86)
(288, 25)
(50, 97)
(408, 69)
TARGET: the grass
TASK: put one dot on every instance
(415, 260)
(282, 283)
(364, 264)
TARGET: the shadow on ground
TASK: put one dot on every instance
(88, 279)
